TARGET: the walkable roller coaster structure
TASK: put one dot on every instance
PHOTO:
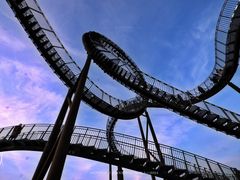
(140, 154)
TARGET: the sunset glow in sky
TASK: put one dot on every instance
(170, 40)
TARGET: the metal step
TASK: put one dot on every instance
(193, 109)
(152, 164)
(220, 122)
(193, 175)
(168, 169)
(180, 172)
(140, 161)
(127, 158)
(211, 117)
(202, 113)
(103, 151)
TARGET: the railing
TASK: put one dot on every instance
(221, 55)
(128, 145)
(57, 54)
(235, 117)
(109, 49)
(71, 70)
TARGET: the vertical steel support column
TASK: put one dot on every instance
(48, 160)
(40, 172)
(154, 138)
(120, 173)
(59, 158)
(110, 171)
(234, 87)
(145, 143)
(110, 165)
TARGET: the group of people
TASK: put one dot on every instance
(16, 131)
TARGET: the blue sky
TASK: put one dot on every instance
(171, 40)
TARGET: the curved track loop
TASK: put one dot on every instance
(92, 143)
(50, 47)
(226, 63)
(107, 55)
(45, 39)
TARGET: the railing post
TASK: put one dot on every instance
(1, 130)
(173, 158)
(78, 138)
(30, 130)
(236, 173)
(198, 165)
(45, 131)
(9, 132)
(134, 147)
(221, 170)
(210, 168)
(97, 137)
(84, 136)
(185, 162)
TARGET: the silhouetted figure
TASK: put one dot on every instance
(219, 72)
(216, 76)
(16, 131)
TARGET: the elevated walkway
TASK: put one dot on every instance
(92, 143)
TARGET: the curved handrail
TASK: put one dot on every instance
(96, 138)
(67, 69)
(51, 48)
(111, 58)
(226, 61)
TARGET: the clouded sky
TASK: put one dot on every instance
(171, 40)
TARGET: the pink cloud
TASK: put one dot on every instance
(25, 94)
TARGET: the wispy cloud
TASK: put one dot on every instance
(11, 41)
(26, 95)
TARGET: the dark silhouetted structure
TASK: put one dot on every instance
(137, 154)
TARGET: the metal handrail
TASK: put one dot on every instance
(87, 136)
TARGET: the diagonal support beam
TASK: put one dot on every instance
(40, 172)
(145, 142)
(236, 88)
(60, 155)
(154, 138)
